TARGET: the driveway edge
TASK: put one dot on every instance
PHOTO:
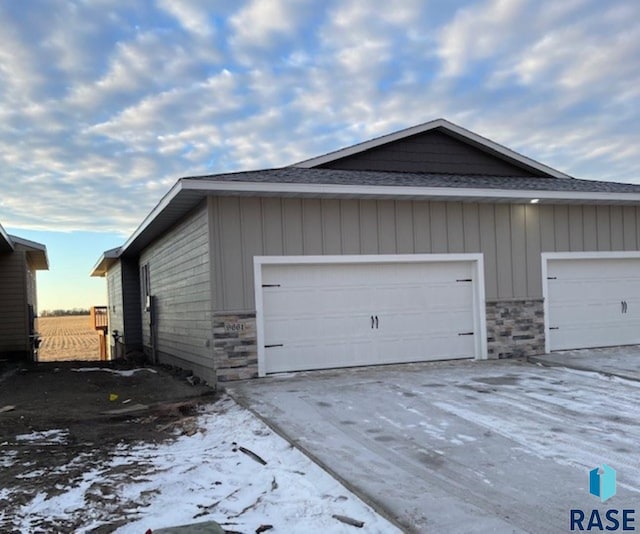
(367, 499)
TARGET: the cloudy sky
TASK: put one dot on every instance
(104, 104)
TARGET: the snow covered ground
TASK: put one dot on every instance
(200, 476)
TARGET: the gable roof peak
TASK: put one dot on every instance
(448, 127)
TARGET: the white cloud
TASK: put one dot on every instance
(264, 27)
(108, 104)
(481, 31)
(193, 16)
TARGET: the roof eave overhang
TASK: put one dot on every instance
(457, 131)
(36, 252)
(105, 262)
(6, 244)
(188, 192)
(408, 192)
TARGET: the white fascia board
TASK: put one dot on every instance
(425, 127)
(163, 204)
(524, 195)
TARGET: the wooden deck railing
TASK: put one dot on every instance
(98, 318)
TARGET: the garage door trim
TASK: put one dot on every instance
(550, 256)
(478, 297)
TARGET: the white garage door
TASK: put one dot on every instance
(318, 316)
(593, 302)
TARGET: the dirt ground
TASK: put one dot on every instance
(67, 338)
(50, 398)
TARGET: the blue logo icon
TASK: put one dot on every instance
(602, 482)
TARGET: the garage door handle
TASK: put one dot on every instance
(624, 306)
(372, 322)
(376, 321)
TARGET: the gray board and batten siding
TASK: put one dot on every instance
(179, 279)
(431, 189)
(510, 236)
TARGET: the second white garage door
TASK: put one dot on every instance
(592, 301)
(327, 315)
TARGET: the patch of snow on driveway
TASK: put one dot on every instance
(126, 372)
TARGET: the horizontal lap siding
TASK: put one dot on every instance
(511, 236)
(114, 291)
(13, 302)
(179, 273)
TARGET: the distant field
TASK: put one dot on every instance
(67, 338)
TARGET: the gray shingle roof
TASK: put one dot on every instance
(297, 175)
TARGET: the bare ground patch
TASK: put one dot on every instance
(60, 430)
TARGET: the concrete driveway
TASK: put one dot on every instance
(496, 446)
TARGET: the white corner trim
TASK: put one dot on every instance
(425, 127)
(480, 304)
(257, 277)
(479, 301)
(545, 300)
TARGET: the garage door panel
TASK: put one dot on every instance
(593, 302)
(435, 322)
(429, 295)
(595, 289)
(312, 327)
(329, 355)
(577, 313)
(294, 300)
(437, 347)
(321, 314)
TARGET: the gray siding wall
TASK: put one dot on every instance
(511, 236)
(179, 273)
(114, 291)
(30, 280)
(131, 304)
(14, 328)
(432, 151)
(123, 288)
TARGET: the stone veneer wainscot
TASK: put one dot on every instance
(515, 328)
(235, 347)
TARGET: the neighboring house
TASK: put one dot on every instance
(19, 261)
(431, 243)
